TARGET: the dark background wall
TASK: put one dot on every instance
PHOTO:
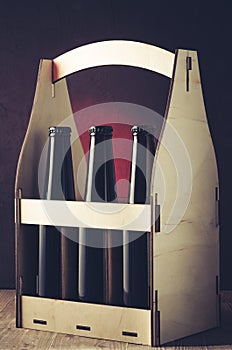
(44, 29)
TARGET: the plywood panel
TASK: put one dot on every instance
(186, 250)
(86, 214)
(51, 107)
(114, 52)
(11, 338)
(90, 320)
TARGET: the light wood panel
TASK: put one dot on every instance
(186, 250)
(90, 320)
(51, 107)
(77, 214)
(114, 52)
(12, 338)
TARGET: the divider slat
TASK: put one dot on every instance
(134, 217)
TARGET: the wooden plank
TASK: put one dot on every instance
(6, 296)
(116, 52)
(186, 250)
(12, 338)
(144, 347)
(135, 217)
(89, 320)
(65, 341)
(18, 338)
(51, 107)
(217, 338)
(7, 315)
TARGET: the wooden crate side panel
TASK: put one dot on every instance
(186, 250)
(51, 107)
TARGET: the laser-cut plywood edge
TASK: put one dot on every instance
(186, 260)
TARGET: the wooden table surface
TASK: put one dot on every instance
(24, 339)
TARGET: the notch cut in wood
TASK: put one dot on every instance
(188, 68)
(83, 328)
(43, 322)
(130, 334)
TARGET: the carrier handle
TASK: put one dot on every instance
(114, 52)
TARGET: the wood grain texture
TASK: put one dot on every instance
(51, 107)
(18, 338)
(7, 314)
(66, 341)
(186, 248)
(103, 321)
(6, 295)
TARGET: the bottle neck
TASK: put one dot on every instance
(59, 182)
(101, 173)
(143, 151)
(133, 169)
(89, 183)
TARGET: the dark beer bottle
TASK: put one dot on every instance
(57, 246)
(136, 244)
(100, 264)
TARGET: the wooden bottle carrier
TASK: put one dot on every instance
(184, 259)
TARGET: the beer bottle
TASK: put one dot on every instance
(100, 263)
(57, 246)
(136, 248)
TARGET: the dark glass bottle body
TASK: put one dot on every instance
(57, 252)
(100, 262)
(136, 248)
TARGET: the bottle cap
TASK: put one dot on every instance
(146, 129)
(135, 130)
(59, 130)
(101, 129)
